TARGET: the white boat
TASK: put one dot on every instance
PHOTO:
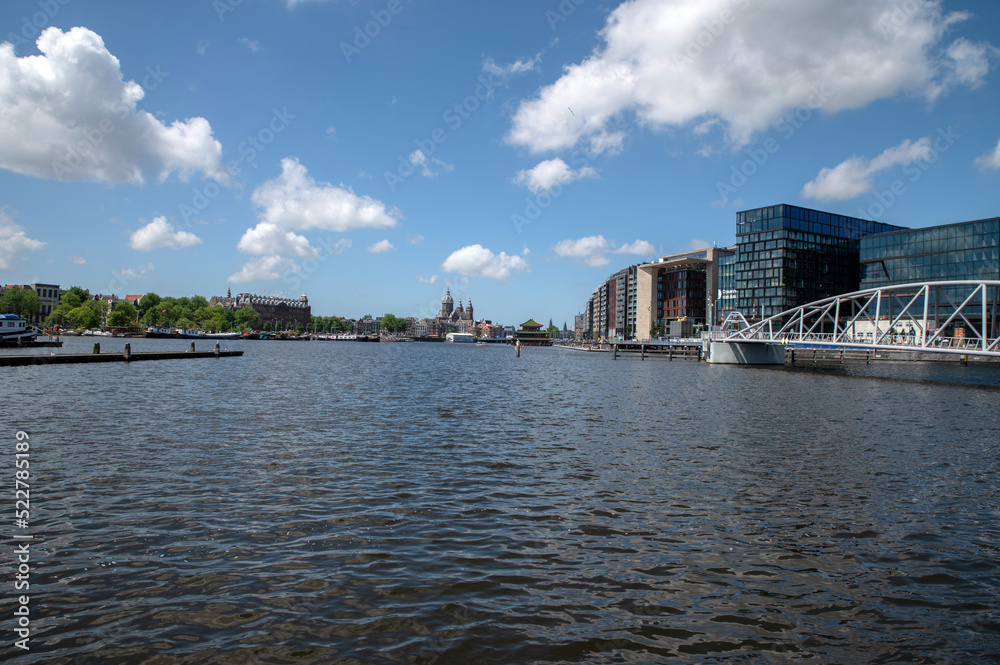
(13, 328)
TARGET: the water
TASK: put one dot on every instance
(425, 503)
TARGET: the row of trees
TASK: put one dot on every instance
(15, 300)
(77, 310)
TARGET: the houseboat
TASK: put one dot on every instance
(13, 328)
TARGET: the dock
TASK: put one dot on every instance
(35, 344)
(127, 356)
(679, 350)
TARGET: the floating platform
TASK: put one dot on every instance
(31, 345)
(96, 357)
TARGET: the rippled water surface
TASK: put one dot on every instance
(320, 502)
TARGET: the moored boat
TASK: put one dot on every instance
(14, 328)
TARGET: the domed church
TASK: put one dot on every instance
(460, 317)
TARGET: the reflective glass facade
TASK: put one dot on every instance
(969, 250)
(788, 256)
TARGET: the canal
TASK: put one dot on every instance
(336, 502)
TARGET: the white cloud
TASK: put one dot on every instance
(252, 44)
(264, 268)
(68, 115)
(419, 159)
(968, 62)
(159, 233)
(78, 260)
(381, 246)
(13, 241)
(415, 240)
(296, 201)
(990, 160)
(853, 177)
(136, 273)
(639, 248)
(270, 239)
(683, 63)
(590, 250)
(519, 66)
(433, 279)
(551, 173)
(477, 261)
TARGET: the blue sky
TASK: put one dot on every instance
(372, 154)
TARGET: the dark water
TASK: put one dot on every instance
(422, 503)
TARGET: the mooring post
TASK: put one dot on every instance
(192, 347)
(97, 347)
(616, 351)
(642, 355)
(128, 351)
(216, 348)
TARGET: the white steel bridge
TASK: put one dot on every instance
(959, 317)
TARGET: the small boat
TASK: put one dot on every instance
(13, 328)
(481, 344)
(160, 333)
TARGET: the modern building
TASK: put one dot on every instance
(789, 256)
(962, 251)
(681, 287)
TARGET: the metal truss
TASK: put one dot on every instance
(934, 317)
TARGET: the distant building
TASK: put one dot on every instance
(531, 334)
(461, 319)
(48, 299)
(680, 287)
(278, 313)
(366, 325)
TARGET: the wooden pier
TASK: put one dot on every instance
(98, 357)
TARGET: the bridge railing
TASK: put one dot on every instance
(905, 317)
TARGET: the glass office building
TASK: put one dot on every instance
(964, 251)
(788, 256)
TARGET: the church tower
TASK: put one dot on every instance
(468, 311)
(447, 304)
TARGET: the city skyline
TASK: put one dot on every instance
(373, 155)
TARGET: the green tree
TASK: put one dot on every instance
(74, 297)
(148, 302)
(247, 318)
(124, 314)
(153, 317)
(23, 302)
(393, 323)
(83, 317)
(552, 330)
